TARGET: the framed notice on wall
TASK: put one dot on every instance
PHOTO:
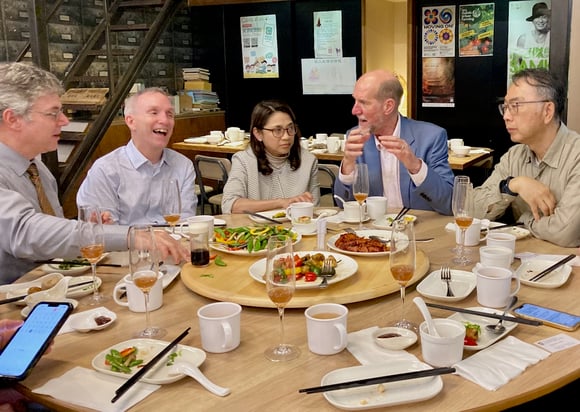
(259, 46)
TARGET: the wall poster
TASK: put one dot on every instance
(438, 65)
(327, 34)
(476, 27)
(259, 46)
(529, 25)
(328, 76)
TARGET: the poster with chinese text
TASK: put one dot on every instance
(259, 46)
(328, 76)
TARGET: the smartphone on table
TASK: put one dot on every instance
(31, 340)
(551, 317)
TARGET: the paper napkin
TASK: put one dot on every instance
(91, 389)
(523, 256)
(362, 346)
(496, 365)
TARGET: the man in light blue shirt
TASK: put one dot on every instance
(127, 182)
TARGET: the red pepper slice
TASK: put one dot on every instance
(310, 276)
(470, 342)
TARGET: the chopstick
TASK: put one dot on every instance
(135, 378)
(504, 226)
(487, 315)
(60, 262)
(17, 298)
(402, 213)
(377, 380)
(551, 268)
(261, 217)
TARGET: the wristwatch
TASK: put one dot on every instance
(504, 186)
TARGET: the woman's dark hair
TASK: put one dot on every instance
(260, 115)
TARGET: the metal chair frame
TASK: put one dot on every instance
(214, 169)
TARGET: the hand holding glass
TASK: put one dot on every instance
(92, 245)
(280, 284)
(402, 262)
(360, 187)
(144, 266)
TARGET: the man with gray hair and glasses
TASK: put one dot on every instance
(538, 179)
(31, 217)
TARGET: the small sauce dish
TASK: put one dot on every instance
(96, 319)
(394, 338)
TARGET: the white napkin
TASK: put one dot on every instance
(523, 256)
(362, 346)
(496, 365)
(67, 328)
(91, 389)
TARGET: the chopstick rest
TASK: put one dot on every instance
(555, 266)
(135, 378)
(377, 380)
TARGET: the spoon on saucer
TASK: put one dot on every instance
(498, 328)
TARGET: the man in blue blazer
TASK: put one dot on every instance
(407, 159)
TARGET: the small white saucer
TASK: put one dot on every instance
(462, 284)
(385, 339)
(85, 321)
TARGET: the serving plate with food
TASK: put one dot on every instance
(308, 266)
(124, 359)
(381, 395)
(360, 243)
(476, 325)
(67, 266)
(249, 240)
(278, 214)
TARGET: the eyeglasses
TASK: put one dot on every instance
(513, 107)
(278, 132)
(54, 115)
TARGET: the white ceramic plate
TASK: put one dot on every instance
(394, 393)
(517, 231)
(555, 279)
(270, 214)
(85, 321)
(202, 140)
(341, 218)
(146, 350)
(74, 270)
(72, 292)
(387, 221)
(386, 234)
(345, 269)
(462, 284)
(244, 252)
(486, 338)
(328, 212)
(26, 310)
(407, 338)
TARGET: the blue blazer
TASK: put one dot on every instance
(428, 142)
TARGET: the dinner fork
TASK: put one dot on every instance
(446, 277)
(326, 272)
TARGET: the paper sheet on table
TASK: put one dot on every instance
(91, 389)
(362, 346)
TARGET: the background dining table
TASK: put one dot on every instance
(260, 385)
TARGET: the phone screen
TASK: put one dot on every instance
(32, 338)
(549, 315)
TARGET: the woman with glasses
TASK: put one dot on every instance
(274, 171)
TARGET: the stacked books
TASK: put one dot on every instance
(197, 94)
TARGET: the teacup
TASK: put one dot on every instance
(494, 285)
(447, 348)
(321, 137)
(219, 326)
(352, 211)
(326, 328)
(472, 234)
(502, 239)
(376, 207)
(233, 134)
(333, 144)
(300, 209)
(495, 256)
(207, 219)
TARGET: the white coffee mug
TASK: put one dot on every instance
(376, 207)
(219, 326)
(217, 133)
(333, 144)
(473, 235)
(498, 256)
(502, 239)
(455, 142)
(352, 211)
(233, 134)
(300, 209)
(326, 328)
(446, 349)
(321, 137)
(207, 219)
(135, 297)
(494, 285)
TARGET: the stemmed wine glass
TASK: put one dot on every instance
(462, 205)
(144, 267)
(280, 285)
(92, 245)
(171, 202)
(360, 188)
(402, 263)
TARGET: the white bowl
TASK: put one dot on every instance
(385, 337)
(213, 138)
(461, 150)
